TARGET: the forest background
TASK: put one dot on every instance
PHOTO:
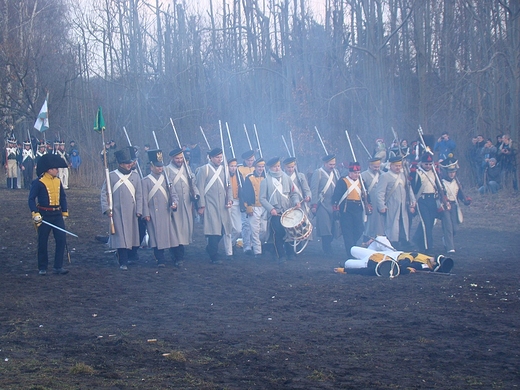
(363, 65)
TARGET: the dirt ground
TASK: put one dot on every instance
(251, 324)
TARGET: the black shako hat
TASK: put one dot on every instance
(427, 157)
(125, 155)
(156, 157)
(49, 161)
(215, 152)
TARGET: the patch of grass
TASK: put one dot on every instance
(320, 376)
(81, 369)
(176, 356)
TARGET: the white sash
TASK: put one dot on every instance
(157, 186)
(353, 187)
(295, 183)
(329, 182)
(216, 175)
(179, 175)
(278, 187)
(123, 179)
(375, 179)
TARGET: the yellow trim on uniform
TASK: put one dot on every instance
(53, 188)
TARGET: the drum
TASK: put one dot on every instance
(296, 224)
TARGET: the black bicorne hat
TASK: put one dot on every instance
(49, 161)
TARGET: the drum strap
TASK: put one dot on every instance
(295, 183)
(278, 187)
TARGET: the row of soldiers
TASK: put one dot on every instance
(248, 200)
(18, 159)
(166, 197)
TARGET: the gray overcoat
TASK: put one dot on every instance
(375, 222)
(217, 217)
(183, 217)
(323, 220)
(156, 205)
(128, 202)
(396, 200)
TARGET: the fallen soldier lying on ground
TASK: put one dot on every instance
(381, 259)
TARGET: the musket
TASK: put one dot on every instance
(325, 149)
(168, 183)
(286, 146)
(364, 147)
(130, 144)
(204, 135)
(239, 178)
(321, 140)
(258, 142)
(444, 202)
(248, 139)
(364, 194)
(108, 185)
(191, 186)
(292, 144)
(57, 227)
(230, 141)
(224, 162)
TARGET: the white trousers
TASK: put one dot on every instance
(236, 230)
(63, 174)
(258, 224)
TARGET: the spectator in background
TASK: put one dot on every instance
(484, 154)
(73, 146)
(444, 146)
(75, 161)
(492, 176)
(506, 157)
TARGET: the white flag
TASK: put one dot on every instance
(42, 122)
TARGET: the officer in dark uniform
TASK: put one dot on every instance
(48, 202)
(427, 195)
(346, 201)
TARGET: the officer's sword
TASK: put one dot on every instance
(57, 227)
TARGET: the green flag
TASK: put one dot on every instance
(99, 124)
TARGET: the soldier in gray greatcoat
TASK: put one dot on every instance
(160, 201)
(277, 195)
(184, 183)
(215, 201)
(127, 196)
(394, 198)
(375, 223)
(323, 182)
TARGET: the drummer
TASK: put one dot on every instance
(348, 207)
(277, 195)
(256, 214)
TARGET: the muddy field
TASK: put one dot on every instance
(250, 324)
